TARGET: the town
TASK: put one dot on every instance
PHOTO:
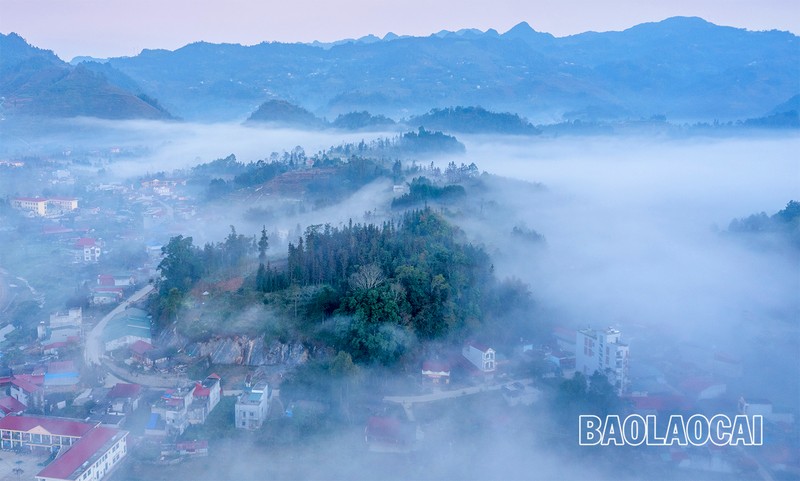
(94, 382)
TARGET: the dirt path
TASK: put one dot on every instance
(93, 349)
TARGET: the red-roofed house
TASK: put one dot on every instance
(9, 405)
(387, 434)
(124, 398)
(139, 350)
(437, 372)
(86, 249)
(27, 392)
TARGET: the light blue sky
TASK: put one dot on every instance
(124, 27)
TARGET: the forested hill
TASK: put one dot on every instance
(34, 82)
(385, 288)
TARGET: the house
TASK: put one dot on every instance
(73, 317)
(61, 377)
(126, 328)
(10, 406)
(565, 339)
(124, 398)
(388, 434)
(109, 280)
(252, 407)
(205, 397)
(602, 350)
(436, 372)
(480, 356)
(102, 298)
(86, 249)
(139, 350)
(180, 407)
(28, 390)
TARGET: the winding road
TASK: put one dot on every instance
(94, 350)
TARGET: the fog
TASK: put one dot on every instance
(635, 231)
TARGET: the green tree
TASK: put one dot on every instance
(180, 267)
(263, 245)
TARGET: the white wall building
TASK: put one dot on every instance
(602, 350)
(480, 356)
(252, 407)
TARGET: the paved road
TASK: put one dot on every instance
(408, 401)
(93, 351)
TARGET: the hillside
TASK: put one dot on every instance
(474, 120)
(36, 82)
(283, 113)
(683, 68)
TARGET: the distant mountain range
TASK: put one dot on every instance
(682, 68)
(35, 82)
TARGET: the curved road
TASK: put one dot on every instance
(94, 350)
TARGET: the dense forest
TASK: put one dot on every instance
(373, 291)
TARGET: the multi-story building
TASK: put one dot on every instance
(178, 408)
(252, 407)
(86, 249)
(45, 206)
(59, 205)
(602, 350)
(37, 205)
(480, 356)
(86, 452)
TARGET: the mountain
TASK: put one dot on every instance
(681, 68)
(362, 121)
(473, 120)
(35, 82)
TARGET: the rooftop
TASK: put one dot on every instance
(57, 426)
(124, 390)
(92, 445)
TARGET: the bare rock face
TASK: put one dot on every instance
(246, 351)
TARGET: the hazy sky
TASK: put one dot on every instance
(122, 27)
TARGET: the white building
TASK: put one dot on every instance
(252, 407)
(73, 317)
(480, 356)
(602, 350)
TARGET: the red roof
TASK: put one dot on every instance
(57, 426)
(79, 453)
(61, 366)
(105, 280)
(214, 375)
(140, 347)
(30, 199)
(124, 390)
(85, 242)
(435, 366)
(24, 385)
(10, 405)
(200, 391)
(388, 430)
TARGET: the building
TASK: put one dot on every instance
(252, 407)
(86, 452)
(110, 280)
(61, 376)
(480, 356)
(124, 398)
(28, 390)
(436, 372)
(37, 205)
(602, 350)
(45, 206)
(178, 408)
(126, 328)
(86, 249)
(10, 406)
(59, 205)
(73, 317)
